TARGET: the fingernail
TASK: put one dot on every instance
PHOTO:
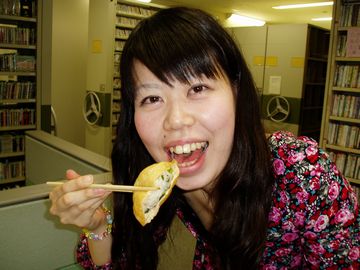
(87, 179)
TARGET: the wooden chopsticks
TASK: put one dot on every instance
(116, 188)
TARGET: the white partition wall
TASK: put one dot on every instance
(31, 238)
(48, 158)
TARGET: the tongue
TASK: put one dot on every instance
(188, 157)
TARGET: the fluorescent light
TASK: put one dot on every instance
(322, 19)
(318, 4)
(239, 20)
(144, 1)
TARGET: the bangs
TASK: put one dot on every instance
(174, 51)
(184, 69)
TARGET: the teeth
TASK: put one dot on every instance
(179, 149)
(185, 164)
(187, 148)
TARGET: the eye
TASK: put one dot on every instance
(198, 89)
(150, 100)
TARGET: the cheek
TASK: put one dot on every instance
(221, 118)
(143, 127)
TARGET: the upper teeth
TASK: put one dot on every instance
(187, 148)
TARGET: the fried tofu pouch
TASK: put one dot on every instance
(146, 204)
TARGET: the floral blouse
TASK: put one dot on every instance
(314, 221)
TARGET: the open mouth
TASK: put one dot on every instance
(187, 154)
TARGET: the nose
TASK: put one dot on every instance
(178, 116)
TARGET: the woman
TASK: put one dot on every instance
(248, 202)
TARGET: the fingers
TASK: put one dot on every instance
(78, 183)
(74, 193)
(71, 186)
(82, 215)
(88, 218)
(75, 203)
(71, 174)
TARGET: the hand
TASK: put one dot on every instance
(77, 204)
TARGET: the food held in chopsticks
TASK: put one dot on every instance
(147, 204)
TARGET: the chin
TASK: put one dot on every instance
(189, 185)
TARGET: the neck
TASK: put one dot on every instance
(201, 204)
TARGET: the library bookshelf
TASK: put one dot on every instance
(128, 15)
(18, 85)
(340, 134)
(317, 48)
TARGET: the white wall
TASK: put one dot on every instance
(252, 41)
(65, 37)
(286, 42)
(281, 43)
(276, 50)
(100, 67)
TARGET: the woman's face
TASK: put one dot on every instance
(190, 122)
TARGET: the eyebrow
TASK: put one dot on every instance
(147, 86)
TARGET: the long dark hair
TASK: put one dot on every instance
(177, 43)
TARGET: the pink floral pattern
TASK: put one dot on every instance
(314, 221)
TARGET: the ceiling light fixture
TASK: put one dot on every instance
(239, 20)
(144, 1)
(322, 19)
(318, 4)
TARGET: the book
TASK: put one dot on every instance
(353, 42)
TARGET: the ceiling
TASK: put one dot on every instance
(260, 9)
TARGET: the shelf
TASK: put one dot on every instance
(340, 100)
(315, 83)
(318, 59)
(18, 73)
(16, 101)
(121, 38)
(343, 149)
(346, 89)
(140, 4)
(11, 154)
(125, 26)
(131, 15)
(343, 119)
(352, 180)
(17, 46)
(346, 28)
(17, 128)
(20, 86)
(347, 59)
(12, 180)
(14, 19)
